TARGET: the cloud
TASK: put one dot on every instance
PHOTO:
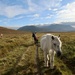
(36, 15)
(55, 9)
(32, 6)
(49, 8)
(43, 4)
(67, 13)
(19, 17)
(12, 11)
(48, 16)
(73, 26)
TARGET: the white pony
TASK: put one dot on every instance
(50, 44)
(1, 35)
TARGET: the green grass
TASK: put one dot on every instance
(17, 55)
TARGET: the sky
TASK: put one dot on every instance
(17, 13)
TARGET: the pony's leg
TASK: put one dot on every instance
(45, 58)
(52, 60)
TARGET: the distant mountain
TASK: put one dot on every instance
(68, 23)
(30, 28)
(48, 28)
(59, 28)
(9, 31)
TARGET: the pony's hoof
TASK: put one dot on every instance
(53, 68)
(46, 66)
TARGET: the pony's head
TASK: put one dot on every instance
(56, 45)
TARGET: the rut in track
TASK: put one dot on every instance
(19, 62)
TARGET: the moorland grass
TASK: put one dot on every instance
(14, 47)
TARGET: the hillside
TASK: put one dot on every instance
(48, 28)
(9, 31)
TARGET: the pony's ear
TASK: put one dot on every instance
(52, 37)
(59, 36)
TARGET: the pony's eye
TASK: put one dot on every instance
(54, 44)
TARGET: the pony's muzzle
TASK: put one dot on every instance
(59, 53)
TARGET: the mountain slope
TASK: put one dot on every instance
(30, 28)
(59, 27)
(47, 28)
(8, 31)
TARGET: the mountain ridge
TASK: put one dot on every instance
(48, 28)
